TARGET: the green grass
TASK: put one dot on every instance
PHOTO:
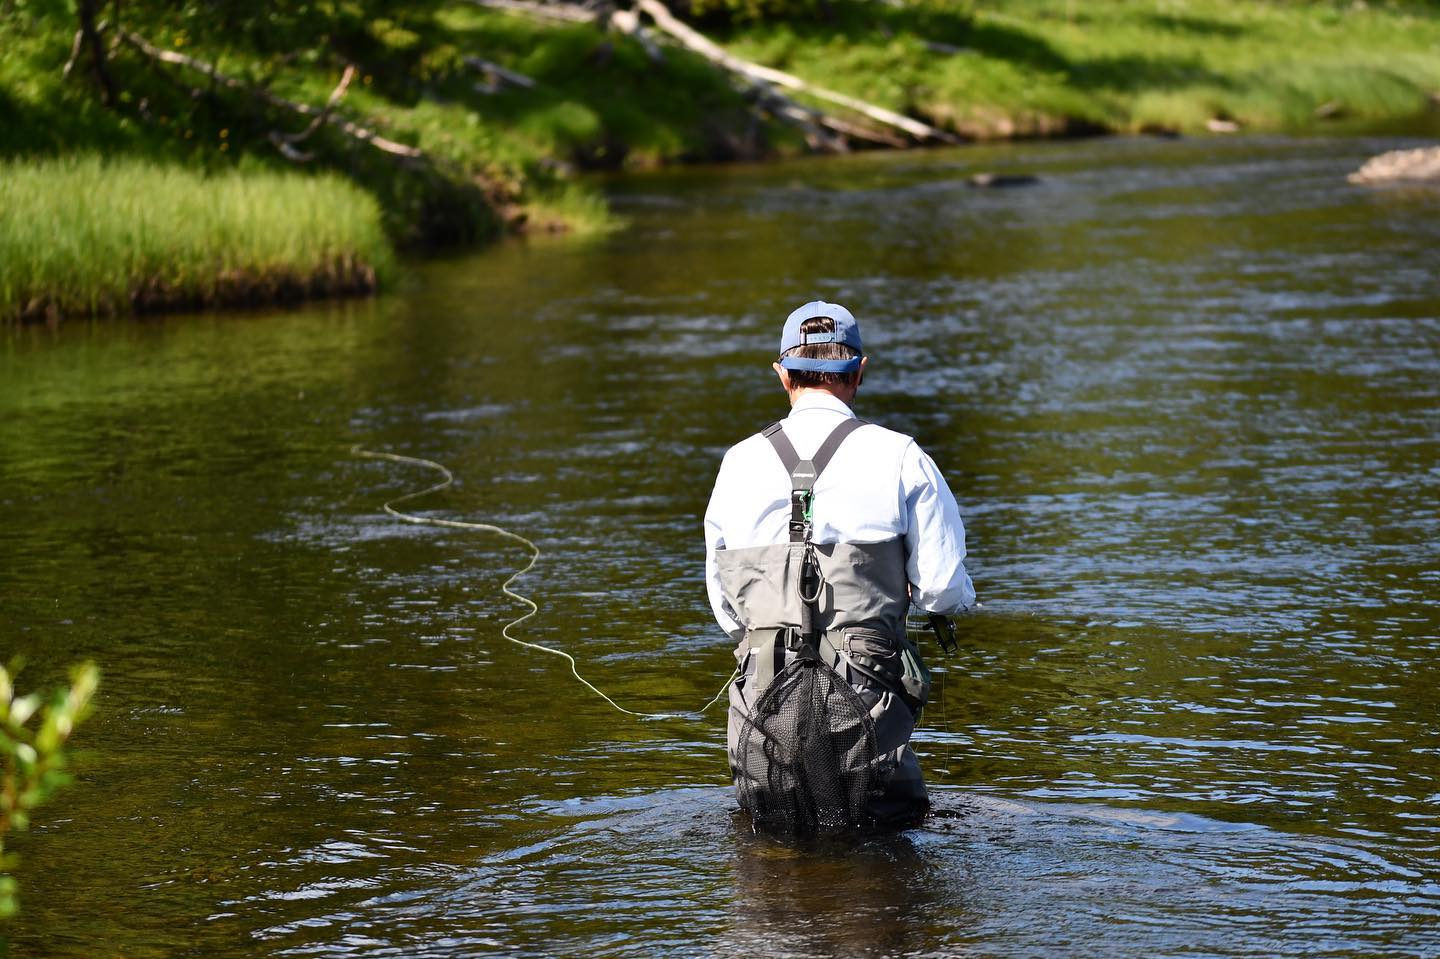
(1041, 66)
(85, 236)
(201, 156)
(508, 157)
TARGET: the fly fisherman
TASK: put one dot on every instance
(820, 533)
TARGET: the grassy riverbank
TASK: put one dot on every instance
(87, 237)
(1043, 67)
(463, 122)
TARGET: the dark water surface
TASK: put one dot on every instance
(1188, 394)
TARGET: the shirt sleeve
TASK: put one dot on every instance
(714, 541)
(934, 538)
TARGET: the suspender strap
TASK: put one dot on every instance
(783, 447)
(827, 449)
(804, 473)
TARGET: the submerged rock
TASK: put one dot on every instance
(1419, 164)
(1002, 180)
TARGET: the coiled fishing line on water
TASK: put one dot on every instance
(446, 483)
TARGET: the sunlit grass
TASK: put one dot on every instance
(1024, 66)
(570, 208)
(155, 232)
(86, 236)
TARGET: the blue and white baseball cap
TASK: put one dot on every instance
(847, 331)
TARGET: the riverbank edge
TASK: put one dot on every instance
(533, 128)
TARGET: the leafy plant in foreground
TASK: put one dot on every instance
(33, 732)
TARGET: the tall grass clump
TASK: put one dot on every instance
(84, 236)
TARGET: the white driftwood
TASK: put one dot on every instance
(822, 131)
(628, 23)
(497, 76)
(353, 130)
(285, 142)
(699, 43)
(564, 12)
(810, 124)
(75, 47)
(324, 113)
(859, 131)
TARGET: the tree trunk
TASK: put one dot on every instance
(97, 52)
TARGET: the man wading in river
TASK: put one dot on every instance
(820, 532)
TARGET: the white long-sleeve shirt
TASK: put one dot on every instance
(879, 485)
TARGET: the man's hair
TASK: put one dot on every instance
(821, 351)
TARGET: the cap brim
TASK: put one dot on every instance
(807, 365)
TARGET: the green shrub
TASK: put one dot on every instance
(34, 731)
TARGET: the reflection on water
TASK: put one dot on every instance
(678, 873)
(1188, 395)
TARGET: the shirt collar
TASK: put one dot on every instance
(820, 400)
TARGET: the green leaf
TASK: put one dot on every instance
(23, 708)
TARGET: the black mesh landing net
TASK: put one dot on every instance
(807, 755)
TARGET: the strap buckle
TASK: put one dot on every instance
(802, 515)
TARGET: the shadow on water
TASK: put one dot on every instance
(984, 875)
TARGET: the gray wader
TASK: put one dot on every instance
(854, 620)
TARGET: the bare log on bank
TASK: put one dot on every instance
(858, 131)
(286, 142)
(628, 23)
(349, 128)
(694, 40)
(621, 21)
(498, 77)
(817, 135)
(564, 12)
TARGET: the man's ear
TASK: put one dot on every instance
(784, 375)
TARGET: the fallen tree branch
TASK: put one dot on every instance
(324, 113)
(285, 142)
(75, 47)
(353, 130)
(820, 129)
(564, 12)
(497, 76)
(699, 43)
(628, 23)
(858, 131)
(810, 124)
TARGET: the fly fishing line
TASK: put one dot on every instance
(446, 483)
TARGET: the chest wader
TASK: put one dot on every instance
(822, 687)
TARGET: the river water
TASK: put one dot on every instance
(1187, 393)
